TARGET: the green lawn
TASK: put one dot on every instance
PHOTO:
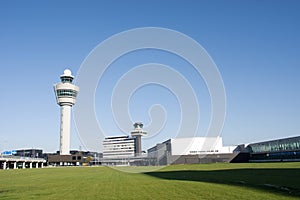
(205, 181)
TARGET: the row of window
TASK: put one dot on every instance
(277, 145)
(204, 151)
(118, 145)
(118, 149)
(76, 157)
(71, 93)
(117, 142)
(66, 79)
(277, 155)
(107, 155)
(117, 152)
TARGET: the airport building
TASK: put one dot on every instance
(198, 145)
(190, 150)
(75, 158)
(124, 150)
(118, 147)
(210, 150)
(22, 158)
(287, 149)
(127, 150)
(30, 153)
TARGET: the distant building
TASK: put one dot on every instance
(75, 158)
(93, 157)
(199, 145)
(190, 150)
(286, 149)
(65, 160)
(32, 153)
(125, 150)
(118, 147)
(160, 153)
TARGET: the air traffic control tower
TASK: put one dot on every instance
(65, 93)
(138, 132)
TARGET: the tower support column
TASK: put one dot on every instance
(65, 130)
(138, 145)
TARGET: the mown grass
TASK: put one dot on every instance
(206, 181)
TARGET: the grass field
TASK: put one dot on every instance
(206, 181)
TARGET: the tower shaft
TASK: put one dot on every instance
(138, 145)
(65, 130)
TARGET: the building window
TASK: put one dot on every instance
(70, 93)
(66, 79)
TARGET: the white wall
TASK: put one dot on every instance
(198, 145)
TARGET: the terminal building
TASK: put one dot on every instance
(30, 153)
(190, 150)
(194, 150)
(287, 149)
(121, 150)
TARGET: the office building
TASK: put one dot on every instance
(118, 147)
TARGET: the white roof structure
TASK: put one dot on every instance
(199, 145)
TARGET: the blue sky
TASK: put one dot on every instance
(255, 45)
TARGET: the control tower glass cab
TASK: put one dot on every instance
(65, 92)
(138, 132)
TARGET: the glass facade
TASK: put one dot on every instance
(288, 144)
(66, 79)
(70, 93)
(287, 149)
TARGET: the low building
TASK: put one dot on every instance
(160, 153)
(65, 160)
(199, 145)
(190, 150)
(31, 153)
(75, 158)
(286, 149)
(89, 157)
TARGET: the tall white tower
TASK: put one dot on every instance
(65, 93)
(138, 132)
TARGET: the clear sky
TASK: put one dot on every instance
(255, 45)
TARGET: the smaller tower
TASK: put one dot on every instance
(138, 132)
(65, 92)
